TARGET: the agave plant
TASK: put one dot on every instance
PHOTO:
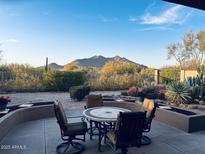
(178, 93)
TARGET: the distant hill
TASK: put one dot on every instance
(95, 61)
(100, 61)
(53, 66)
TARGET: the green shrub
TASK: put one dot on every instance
(195, 92)
(196, 81)
(150, 89)
(79, 92)
(153, 92)
(151, 96)
(202, 91)
(178, 93)
(62, 80)
(169, 74)
(20, 77)
(161, 96)
(120, 76)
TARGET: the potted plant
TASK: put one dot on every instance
(132, 91)
(4, 101)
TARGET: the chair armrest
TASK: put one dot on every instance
(82, 117)
(75, 117)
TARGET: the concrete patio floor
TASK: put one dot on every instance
(42, 137)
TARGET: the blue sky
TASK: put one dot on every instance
(65, 30)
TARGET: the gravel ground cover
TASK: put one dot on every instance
(64, 97)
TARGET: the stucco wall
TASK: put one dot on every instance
(187, 73)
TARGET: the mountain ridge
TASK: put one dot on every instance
(97, 61)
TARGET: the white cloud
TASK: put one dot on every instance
(174, 15)
(105, 19)
(157, 28)
(9, 41)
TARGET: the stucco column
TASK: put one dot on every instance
(156, 76)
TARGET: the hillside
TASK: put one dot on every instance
(95, 61)
(99, 61)
(53, 66)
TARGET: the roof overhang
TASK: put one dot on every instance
(199, 4)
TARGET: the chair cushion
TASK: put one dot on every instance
(62, 119)
(111, 136)
(94, 101)
(78, 128)
(148, 106)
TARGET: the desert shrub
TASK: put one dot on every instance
(79, 92)
(196, 81)
(151, 89)
(132, 91)
(70, 67)
(141, 96)
(62, 80)
(119, 68)
(151, 95)
(146, 77)
(178, 93)
(114, 82)
(197, 92)
(161, 96)
(202, 91)
(169, 74)
(20, 77)
(120, 75)
(150, 92)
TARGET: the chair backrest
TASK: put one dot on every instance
(129, 128)
(94, 101)
(60, 115)
(150, 107)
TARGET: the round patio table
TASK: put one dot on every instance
(101, 115)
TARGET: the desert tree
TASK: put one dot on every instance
(195, 44)
(191, 49)
(179, 53)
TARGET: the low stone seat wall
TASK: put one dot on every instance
(21, 115)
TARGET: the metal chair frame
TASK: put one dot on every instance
(63, 148)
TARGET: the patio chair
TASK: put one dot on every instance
(69, 131)
(128, 131)
(93, 101)
(150, 107)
